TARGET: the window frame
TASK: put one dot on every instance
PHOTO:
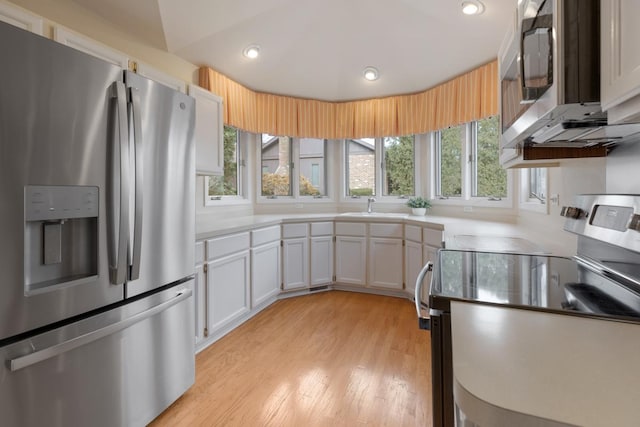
(532, 204)
(242, 177)
(379, 169)
(294, 151)
(468, 173)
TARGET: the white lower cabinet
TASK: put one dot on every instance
(295, 255)
(200, 294)
(385, 263)
(412, 264)
(228, 285)
(351, 260)
(321, 260)
(265, 272)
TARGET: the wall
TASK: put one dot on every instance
(623, 169)
(85, 22)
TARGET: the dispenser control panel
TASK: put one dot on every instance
(51, 202)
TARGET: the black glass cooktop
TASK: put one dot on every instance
(529, 281)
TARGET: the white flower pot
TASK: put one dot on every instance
(418, 211)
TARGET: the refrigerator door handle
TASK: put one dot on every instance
(139, 156)
(79, 341)
(119, 235)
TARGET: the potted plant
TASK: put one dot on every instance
(418, 205)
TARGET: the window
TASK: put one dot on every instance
(281, 155)
(394, 176)
(533, 190)
(360, 167)
(398, 173)
(466, 164)
(276, 165)
(229, 185)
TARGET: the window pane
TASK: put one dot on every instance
(537, 184)
(492, 178)
(312, 167)
(361, 163)
(451, 140)
(276, 164)
(227, 184)
(398, 174)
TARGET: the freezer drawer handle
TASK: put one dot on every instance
(423, 320)
(58, 349)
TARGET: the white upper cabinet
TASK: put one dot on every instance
(160, 77)
(208, 132)
(20, 18)
(620, 84)
(90, 47)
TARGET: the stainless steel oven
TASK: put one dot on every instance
(602, 281)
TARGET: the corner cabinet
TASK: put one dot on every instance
(385, 256)
(295, 256)
(620, 78)
(265, 265)
(321, 254)
(208, 132)
(351, 253)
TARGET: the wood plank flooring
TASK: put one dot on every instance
(327, 359)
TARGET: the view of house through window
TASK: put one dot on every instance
(227, 184)
(399, 166)
(276, 165)
(360, 167)
(311, 165)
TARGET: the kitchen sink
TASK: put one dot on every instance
(376, 214)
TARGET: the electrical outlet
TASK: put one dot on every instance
(468, 209)
(555, 199)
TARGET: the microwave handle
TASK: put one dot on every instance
(530, 94)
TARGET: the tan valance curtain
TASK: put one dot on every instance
(471, 96)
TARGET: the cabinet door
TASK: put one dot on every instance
(91, 47)
(385, 263)
(228, 289)
(265, 272)
(295, 258)
(351, 260)
(321, 260)
(200, 303)
(20, 18)
(412, 264)
(429, 253)
(620, 56)
(208, 132)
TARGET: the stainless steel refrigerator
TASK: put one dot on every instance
(97, 232)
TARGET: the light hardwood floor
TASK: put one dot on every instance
(327, 359)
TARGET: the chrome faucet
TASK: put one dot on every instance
(369, 201)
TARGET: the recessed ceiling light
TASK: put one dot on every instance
(370, 73)
(472, 7)
(251, 51)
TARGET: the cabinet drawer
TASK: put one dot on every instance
(386, 230)
(432, 237)
(413, 233)
(265, 235)
(290, 231)
(351, 229)
(321, 228)
(199, 253)
(226, 245)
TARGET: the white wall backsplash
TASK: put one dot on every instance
(623, 169)
(576, 176)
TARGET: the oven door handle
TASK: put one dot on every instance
(423, 320)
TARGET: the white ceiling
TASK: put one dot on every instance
(318, 49)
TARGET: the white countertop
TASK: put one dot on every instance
(564, 368)
(488, 235)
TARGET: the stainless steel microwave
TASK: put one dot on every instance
(550, 73)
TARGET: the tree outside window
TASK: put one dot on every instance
(227, 184)
(450, 148)
(399, 166)
(491, 178)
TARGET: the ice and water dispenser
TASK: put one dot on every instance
(60, 236)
